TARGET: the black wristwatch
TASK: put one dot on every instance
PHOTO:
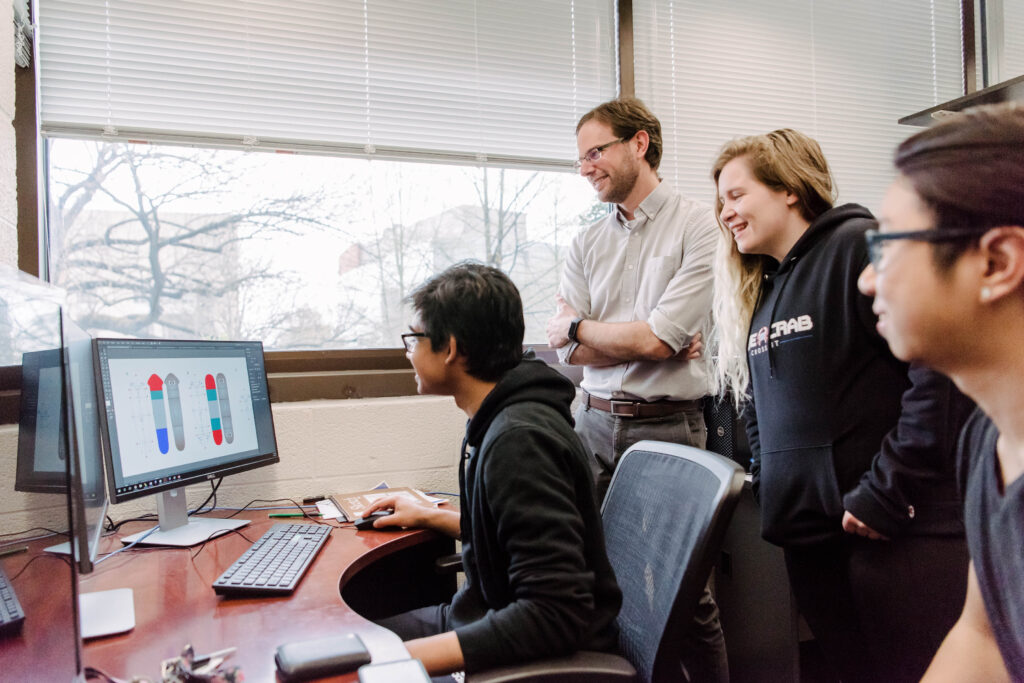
(574, 326)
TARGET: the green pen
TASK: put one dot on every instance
(294, 514)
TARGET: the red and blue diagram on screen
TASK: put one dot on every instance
(166, 398)
(184, 411)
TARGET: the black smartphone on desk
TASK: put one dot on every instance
(306, 659)
(402, 671)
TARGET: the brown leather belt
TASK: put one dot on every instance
(627, 408)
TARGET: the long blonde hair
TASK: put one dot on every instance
(784, 160)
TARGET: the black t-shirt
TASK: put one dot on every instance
(994, 518)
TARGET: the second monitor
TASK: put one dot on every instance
(177, 413)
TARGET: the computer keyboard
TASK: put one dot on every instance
(12, 616)
(275, 563)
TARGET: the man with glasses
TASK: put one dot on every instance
(634, 299)
(538, 581)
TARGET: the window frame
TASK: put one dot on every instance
(338, 374)
(313, 375)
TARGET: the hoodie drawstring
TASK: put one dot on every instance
(771, 316)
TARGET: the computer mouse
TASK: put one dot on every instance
(364, 523)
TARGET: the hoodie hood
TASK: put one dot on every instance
(819, 228)
(531, 380)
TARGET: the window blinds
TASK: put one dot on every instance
(842, 72)
(477, 81)
(1013, 40)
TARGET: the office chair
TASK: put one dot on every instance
(665, 515)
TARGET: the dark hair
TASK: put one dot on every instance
(627, 116)
(969, 170)
(479, 306)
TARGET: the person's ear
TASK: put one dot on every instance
(866, 281)
(452, 353)
(792, 199)
(640, 142)
(1003, 250)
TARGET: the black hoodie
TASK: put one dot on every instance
(538, 581)
(837, 422)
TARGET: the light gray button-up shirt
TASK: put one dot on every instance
(656, 268)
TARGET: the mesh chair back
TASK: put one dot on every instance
(664, 517)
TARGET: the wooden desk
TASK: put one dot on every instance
(47, 647)
(175, 603)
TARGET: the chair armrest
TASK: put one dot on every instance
(582, 667)
(448, 564)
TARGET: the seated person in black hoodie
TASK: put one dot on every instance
(538, 581)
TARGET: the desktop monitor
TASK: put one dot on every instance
(176, 413)
(88, 495)
(42, 448)
(58, 390)
(47, 646)
(104, 612)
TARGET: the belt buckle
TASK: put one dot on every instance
(623, 408)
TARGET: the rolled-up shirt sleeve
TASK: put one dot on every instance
(682, 310)
(564, 353)
(574, 289)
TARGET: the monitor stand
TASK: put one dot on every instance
(177, 528)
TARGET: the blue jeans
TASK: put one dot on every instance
(606, 437)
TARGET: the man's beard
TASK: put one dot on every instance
(621, 185)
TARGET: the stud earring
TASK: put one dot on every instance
(986, 293)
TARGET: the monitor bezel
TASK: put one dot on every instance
(84, 540)
(199, 476)
(27, 478)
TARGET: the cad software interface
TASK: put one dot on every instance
(179, 409)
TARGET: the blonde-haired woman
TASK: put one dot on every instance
(853, 453)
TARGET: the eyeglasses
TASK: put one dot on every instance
(876, 240)
(594, 153)
(410, 339)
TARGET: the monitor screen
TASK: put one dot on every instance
(42, 451)
(181, 412)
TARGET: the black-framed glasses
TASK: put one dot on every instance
(594, 153)
(409, 339)
(876, 240)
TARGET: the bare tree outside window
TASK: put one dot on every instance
(148, 243)
(303, 252)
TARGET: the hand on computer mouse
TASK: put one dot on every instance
(367, 521)
(405, 512)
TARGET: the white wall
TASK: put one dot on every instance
(8, 192)
(325, 447)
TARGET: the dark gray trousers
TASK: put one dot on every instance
(420, 623)
(879, 609)
(606, 437)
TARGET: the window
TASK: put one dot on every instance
(842, 72)
(300, 251)
(290, 171)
